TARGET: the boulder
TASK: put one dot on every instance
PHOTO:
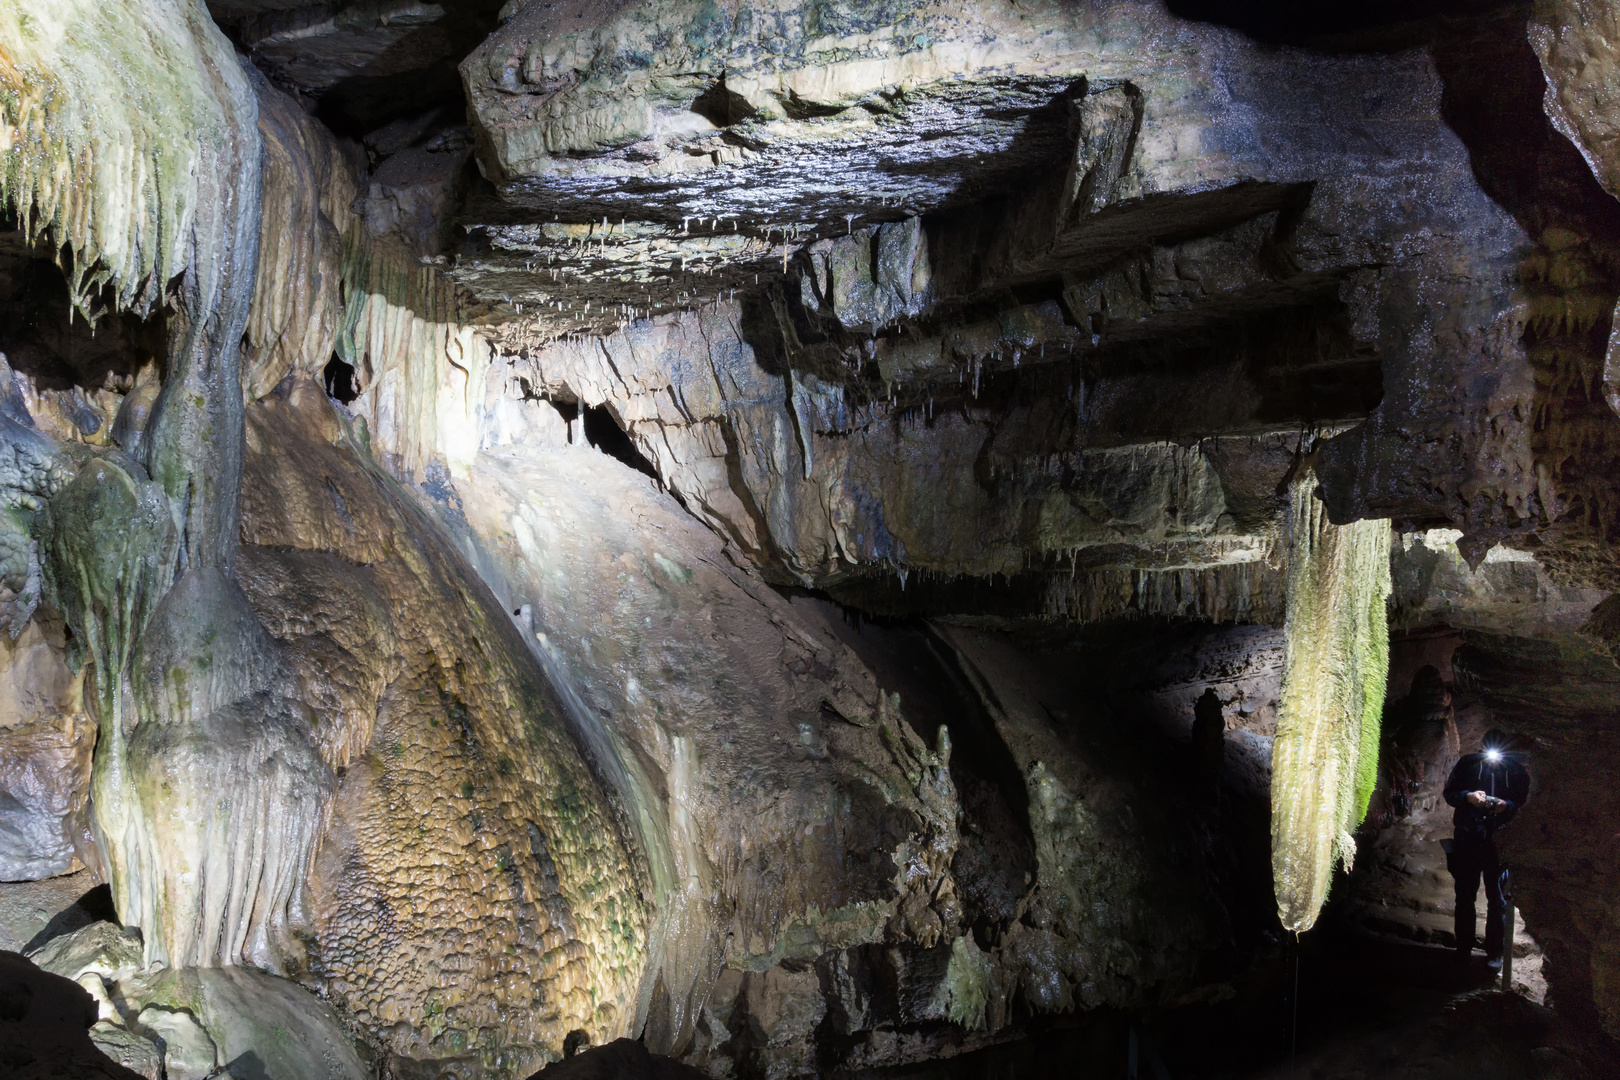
(137, 1054)
(241, 1020)
(105, 949)
(188, 1052)
(32, 912)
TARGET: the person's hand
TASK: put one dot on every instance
(1478, 798)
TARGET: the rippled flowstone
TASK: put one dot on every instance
(474, 893)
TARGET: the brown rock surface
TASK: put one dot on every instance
(787, 807)
(472, 894)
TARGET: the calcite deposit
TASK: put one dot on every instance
(782, 539)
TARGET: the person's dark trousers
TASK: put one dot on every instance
(1472, 863)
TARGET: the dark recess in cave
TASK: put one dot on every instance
(1340, 25)
(338, 378)
(722, 107)
(43, 337)
(359, 106)
(604, 433)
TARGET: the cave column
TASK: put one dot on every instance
(143, 156)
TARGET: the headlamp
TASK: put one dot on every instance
(1493, 755)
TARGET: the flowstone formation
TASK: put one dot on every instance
(138, 544)
(819, 538)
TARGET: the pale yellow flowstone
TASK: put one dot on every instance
(1324, 762)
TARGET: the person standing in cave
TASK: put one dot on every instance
(1487, 789)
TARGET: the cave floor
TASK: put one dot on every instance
(1367, 1008)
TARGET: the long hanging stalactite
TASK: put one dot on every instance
(1324, 762)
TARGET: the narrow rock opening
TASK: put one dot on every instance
(338, 378)
(603, 432)
(569, 411)
(722, 107)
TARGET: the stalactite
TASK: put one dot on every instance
(110, 546)
(327, 285)
(422, 362)
(1325, 758)
(309, 186)
(111, 120)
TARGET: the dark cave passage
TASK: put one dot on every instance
(338, 378)
(602, 431)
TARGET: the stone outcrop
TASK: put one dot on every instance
(902, 348)
(45, 772)
(786, 806)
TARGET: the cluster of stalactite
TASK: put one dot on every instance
(115, 122)
(421, 363)
(1325, 758)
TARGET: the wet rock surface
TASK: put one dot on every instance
(34, 912)
(790, 808)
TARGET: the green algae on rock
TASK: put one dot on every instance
(1325, 760)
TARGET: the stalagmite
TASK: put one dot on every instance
(1325, 758)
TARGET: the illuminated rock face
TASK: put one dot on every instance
(787, 810)
(199, 745)
(473, 897)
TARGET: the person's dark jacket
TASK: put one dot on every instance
(1505, 779)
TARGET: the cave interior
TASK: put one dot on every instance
(851, 538)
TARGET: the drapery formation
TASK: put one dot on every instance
(1324, 762)
(133, 150)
